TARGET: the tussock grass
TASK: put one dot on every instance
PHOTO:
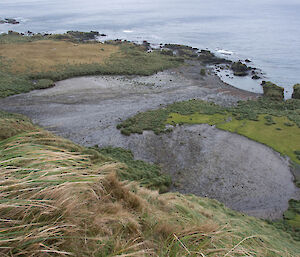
(273, 123)
(58, 199)
(23, 60)
(148, 175)
(46, 55)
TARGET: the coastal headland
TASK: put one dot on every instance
(165, 116)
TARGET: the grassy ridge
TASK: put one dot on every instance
(25, 60)
(59, 198)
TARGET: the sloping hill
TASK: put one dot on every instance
(61, 199)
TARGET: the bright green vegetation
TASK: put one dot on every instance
(25, 59)
(59, 198)
(274, 123)
(281, 137)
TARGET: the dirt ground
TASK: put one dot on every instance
(245, 175)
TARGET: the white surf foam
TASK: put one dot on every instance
(225, 52)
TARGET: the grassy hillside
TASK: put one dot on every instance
(25, 60)
(273, 123)
(60, 199)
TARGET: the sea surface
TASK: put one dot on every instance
(265, 31)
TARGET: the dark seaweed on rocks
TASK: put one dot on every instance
(207, 57)
(182, 50)
(82, 36)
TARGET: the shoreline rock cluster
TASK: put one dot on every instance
(9, 21)
(275, 92)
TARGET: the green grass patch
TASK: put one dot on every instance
(147, 174)
(273, 123)
(284, 140)
(264, 121)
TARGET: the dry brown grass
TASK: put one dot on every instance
(46, 55)
(55, 201)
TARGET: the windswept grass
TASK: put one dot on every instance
(58, 199)
(273, 123)
(148, 175)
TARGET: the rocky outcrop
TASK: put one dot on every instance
(272, 91)
(207, 57)
(182, 50)
(83, 36)
(255, 77)
(9, 21)
(296, 93)
(239, 69)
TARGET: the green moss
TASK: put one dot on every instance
(44, 83)
(207, 57)
(239, 69)
(273, 91)
(202, 72)
(296, 93)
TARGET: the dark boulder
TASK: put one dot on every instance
(255, 77)
(239, 69)
(11, 21)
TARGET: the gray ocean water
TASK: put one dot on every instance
(265, 31)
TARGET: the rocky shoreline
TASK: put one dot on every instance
(9, 21)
